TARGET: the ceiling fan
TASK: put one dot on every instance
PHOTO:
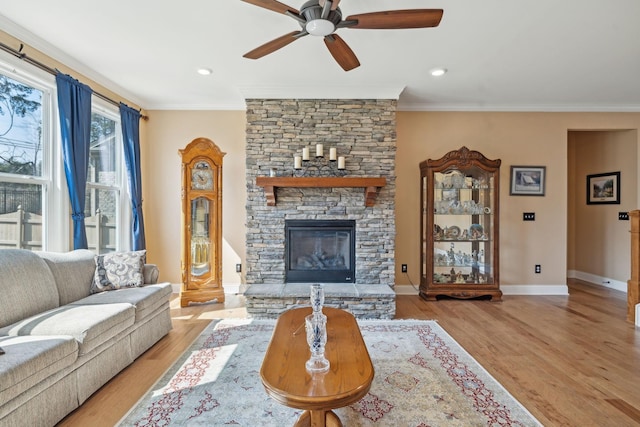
(323, 17)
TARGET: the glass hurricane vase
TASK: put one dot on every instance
(317, 297)
(316, 328)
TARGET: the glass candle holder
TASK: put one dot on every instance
(316, 328)
(317, 297)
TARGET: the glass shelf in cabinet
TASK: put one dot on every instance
(446, 280)
(482, 266)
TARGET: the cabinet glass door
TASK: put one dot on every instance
(200, 236)
(462, 228)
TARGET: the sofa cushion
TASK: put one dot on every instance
(27, 286)
(150, 273)
(145, 299)
(30, 360)
(90, 325)
(118, 270)
(73, 272)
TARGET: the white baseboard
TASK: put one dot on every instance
(237, 288)
(506, 290)
(534, 289)
(405, 290)
(562, 289)
(598, 280)
(233, 288)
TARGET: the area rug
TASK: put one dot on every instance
(422, 378)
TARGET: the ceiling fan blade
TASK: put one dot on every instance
(341, 52)
(397, 19)
(274, 45)
(274, 5)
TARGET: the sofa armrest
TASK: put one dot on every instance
(150, 273)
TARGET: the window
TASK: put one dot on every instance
(34, 200)
(104, 191)
(24, 174)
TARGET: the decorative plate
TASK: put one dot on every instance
(475, 232)
(452, 232)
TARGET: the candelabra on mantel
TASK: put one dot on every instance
(305, 165)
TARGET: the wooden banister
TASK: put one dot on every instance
(633, 284)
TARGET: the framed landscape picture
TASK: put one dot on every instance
(527, 180)
(603, 188)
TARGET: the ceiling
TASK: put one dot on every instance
(501, 55)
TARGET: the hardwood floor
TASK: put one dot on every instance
(571, 361)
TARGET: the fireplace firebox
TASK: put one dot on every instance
(320, 251)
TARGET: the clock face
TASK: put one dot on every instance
(202, 177)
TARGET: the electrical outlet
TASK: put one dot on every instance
(623, 216)
(528, 216)
(404, 268)
(238, 268)
(538, 269)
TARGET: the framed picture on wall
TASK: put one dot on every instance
(528, 180)
(603, 188)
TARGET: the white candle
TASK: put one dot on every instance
(305, 153)
(297, 162)
(332, 154)
(341, 162)
(319, 150)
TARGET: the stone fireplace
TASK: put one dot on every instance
(363, 131)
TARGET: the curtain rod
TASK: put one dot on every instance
(19, 54)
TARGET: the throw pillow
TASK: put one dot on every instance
(118, 270)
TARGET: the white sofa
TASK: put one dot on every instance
(61, 342)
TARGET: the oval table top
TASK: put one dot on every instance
(283, 371)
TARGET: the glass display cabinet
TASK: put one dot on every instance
(201, 264)
(459, 226)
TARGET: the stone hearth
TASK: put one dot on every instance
(363, 301)
(363, 131)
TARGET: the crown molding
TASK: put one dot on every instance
(321, 92)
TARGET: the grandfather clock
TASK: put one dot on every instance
(201, 261)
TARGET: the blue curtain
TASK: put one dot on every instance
(74, 105)
(130, 120)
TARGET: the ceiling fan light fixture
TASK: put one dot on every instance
(438, 72)
(320, 27)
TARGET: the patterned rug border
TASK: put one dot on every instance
(363, 323)
(478, 366)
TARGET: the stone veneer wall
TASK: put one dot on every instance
(364, 131)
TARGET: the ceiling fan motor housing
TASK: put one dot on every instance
(312, 13)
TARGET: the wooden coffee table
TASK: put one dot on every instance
(287, 381)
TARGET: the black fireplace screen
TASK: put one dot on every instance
(320, 251)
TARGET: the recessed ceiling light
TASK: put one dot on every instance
(205, 71)
(438, 72)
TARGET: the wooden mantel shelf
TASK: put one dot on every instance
(371, 185)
